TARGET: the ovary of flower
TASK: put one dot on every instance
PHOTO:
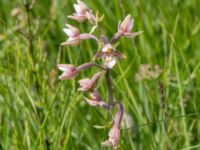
(82, 13)
(69, 71)
(74, 36)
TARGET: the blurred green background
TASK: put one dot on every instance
(38, 111)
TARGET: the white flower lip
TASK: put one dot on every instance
(111, 63)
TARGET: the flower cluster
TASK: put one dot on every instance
(109, 55)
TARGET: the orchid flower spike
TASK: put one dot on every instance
(89, 84)
(96, 100)
(75, 37)
(114, 133)
(69, 71)
(109, 55)
(82, 13)
(124, 28)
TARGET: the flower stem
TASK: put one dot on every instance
(109, 87)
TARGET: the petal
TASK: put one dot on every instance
(127, 24)
(90, 17)
(132, 34)
(68, 75)
(117, 54)
(114, 136)
(119, 25)
(111, 63)
(66, 67)
(79, 18)
(91, 102)
(95, 96)
(71, 41)
(74, 30)
(130, 25)
(104, 39)
(77, 8)
(82, 5)
(68, 31)
(84, 82)
(96, 77)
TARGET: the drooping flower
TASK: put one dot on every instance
(82, 13)
(109, 55)
(124, 29)
(74, 36)
(69, 71)
(96, 100)
(114, 133)
(89, 84)
(114, 138)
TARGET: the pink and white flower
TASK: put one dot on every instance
(109, 55)
(114, 138)
(124, 29)
(69, 71)
(114, 133)
(96, 100)
(89, 84)
(82, 13)
(74, 36)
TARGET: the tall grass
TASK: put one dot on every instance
(37, 111)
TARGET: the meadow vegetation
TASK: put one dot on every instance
(161, 98)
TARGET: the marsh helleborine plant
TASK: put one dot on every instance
(109, 56)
